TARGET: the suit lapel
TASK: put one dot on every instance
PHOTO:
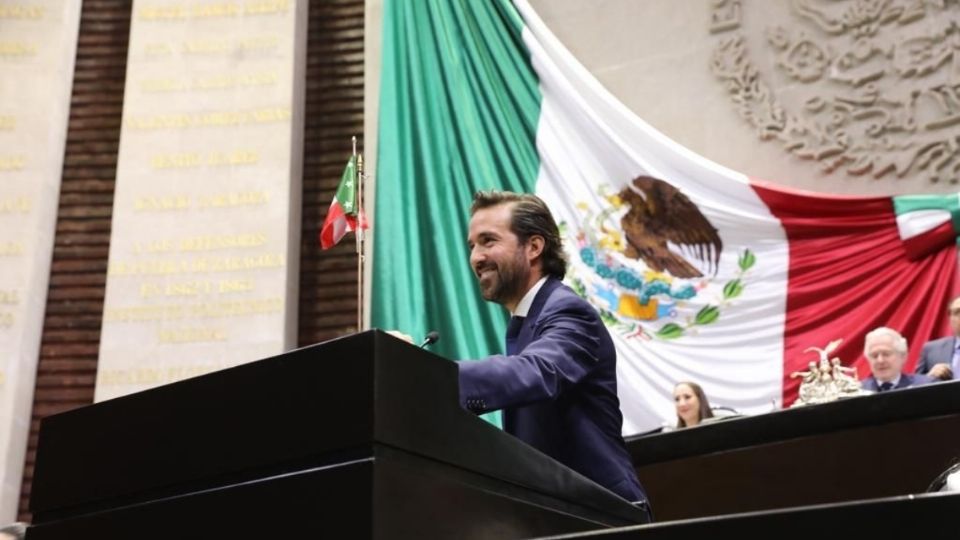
(530, 323)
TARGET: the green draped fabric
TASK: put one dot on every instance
(459, 105)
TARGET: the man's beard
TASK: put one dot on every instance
(508, 282)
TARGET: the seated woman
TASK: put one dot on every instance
(692, 405)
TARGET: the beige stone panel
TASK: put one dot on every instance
(204, 252)
(38, 43)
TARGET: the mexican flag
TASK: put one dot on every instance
(342, 216)
(700, 272)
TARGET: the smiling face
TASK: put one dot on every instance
(885, 360)
(502, 264)
(687, 403)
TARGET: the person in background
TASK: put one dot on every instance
(15, 531)
(886, 351)
(940, 358)
(692, 405)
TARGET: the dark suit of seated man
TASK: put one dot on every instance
(557, 383)
(940, 358)
(886, 351)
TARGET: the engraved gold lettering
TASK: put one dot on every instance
(259, 43)
(164, 202)
(157, 49)
(114, 377)
(234, 199)
(149, 290)
(234, 264)
(11, 249)
(264, 115)
(12, 163)
(153, 246)
(21, 11)
(237, 157)
(6, 319)
(192, 335)
(219, 82)
(7, 123)
(236, 308)
(159, 267)
(178, 373)
(181, 160)
(210, 243)
(235, 286)
(219, 9)
(17, 48)
(16, 205)
(188, 288)
(224, 46)
(204, 310)
(165, 84)
(10, 297)
(168, 312)
(263, 7)
(151, 267)
(167, 13)
(205, 46)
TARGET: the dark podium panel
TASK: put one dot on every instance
(926, 517)
(893, 443)
(359, 437)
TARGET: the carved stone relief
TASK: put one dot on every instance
(862, 87)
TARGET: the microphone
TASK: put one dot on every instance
(432, 337)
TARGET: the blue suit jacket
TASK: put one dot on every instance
(559, 392)
(906, 381)
(938, 351)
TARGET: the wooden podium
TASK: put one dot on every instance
(359, 437)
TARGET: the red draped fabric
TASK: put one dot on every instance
(850, 272)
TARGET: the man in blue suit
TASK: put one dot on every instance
(940, 358)
(557, 383)
(886, 351)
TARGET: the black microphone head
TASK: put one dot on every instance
(432, 337)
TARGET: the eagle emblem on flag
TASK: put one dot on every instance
(642, 259)
(659, 215)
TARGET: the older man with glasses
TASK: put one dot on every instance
(886, 351)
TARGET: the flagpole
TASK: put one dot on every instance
(358, 234)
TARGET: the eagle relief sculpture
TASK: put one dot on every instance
(651, 253)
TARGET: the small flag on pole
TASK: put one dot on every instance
(343, 215)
